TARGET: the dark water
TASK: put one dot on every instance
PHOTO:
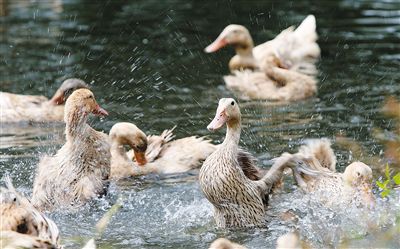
(145, 62)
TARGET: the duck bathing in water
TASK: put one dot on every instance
(315, 173)
(154, 154)
(229, 177)
(81, 168)
(31, 108)
(293, 51)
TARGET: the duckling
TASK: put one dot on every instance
(154, 154)
(22, 224)
(238, 201)
(316, 174)
(32, 108)
(80, 169)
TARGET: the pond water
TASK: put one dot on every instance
(145, 62)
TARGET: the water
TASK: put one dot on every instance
(146, 65)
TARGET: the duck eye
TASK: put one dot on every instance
(233, 103)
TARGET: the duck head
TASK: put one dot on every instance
(235, 35)
(359, 176)
(82, 102)
(289, 240)
(223, 243)
(66, 89)
(129, 134)
(227, 112)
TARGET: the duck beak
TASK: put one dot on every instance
(218, 121)
(140, 158)
(99, 111)
(58, 98)
(217, 44)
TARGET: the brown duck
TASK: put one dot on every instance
(80, 169)
(239, 201)
(22, 225)
(19, 108)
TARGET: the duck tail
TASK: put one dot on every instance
(319, 154)
(307, 29)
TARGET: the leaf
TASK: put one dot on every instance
(396, 178)
(386, 182)
(380, 185)
(387, 171)
(385, 193)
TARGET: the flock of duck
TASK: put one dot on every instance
(281, 69)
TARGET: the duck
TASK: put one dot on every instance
(316, 174)
(294, 50)
(287, 241)
(154, 154)
(273, 83)
(14, 240)
(223, 243)
(23, 225)
(80, 169)
(238, 200)
(291, 241)
(33, 108)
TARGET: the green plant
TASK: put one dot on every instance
(389, 182)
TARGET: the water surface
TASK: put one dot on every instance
(145, 62)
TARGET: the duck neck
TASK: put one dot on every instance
(245, 49)
(117, 149)
(75, 120)
(232, 134)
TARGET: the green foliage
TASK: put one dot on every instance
(389, 182)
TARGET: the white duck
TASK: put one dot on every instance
(81, 168)
(316, 174)
(154, 154)
(19, 108)
(293, 51)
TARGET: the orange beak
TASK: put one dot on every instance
(140, 158)
(216, 45)
(58, 98)
(99, 111)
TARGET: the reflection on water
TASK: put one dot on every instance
(145, 62)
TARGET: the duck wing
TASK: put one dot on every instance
(319, 155)
(248, 163)
(297, 49)
(184, 154)
(155, 144)
(275, 84)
